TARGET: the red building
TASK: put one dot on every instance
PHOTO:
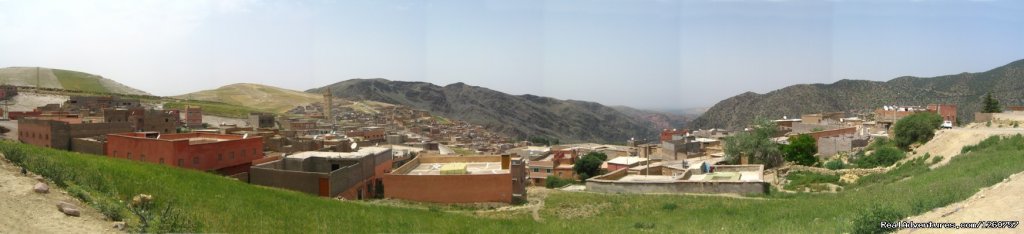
(947, 111)
(226, 154)
(666, 134)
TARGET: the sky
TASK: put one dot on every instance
(656, 54)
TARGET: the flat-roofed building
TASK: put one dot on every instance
(57, 132)
(223, 153)
(459, 179)
(350, 175)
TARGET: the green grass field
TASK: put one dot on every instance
(214, 108)
(72, 80)
(223, 205)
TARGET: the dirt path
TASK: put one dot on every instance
(1001, 202)
(24, 211)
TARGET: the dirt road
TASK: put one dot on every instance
(24, 211)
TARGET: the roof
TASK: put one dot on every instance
(627, 160)
(363, 152)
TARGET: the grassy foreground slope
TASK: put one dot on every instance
(224, 205)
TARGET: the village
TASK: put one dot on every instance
(331, 149)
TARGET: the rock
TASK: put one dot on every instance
(41, 188)
(40, 179)
(118, 225)
(68, 209)
(849, 178)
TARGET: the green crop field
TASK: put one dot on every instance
(72, 80)
(213, 108)
(224, 205)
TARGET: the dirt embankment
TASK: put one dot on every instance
(24, 211)
(1001, 202)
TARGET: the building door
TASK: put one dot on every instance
(325, 187)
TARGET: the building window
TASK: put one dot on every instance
(536, 170)
(220, 157)
(129, 155)
(549, 171)
(142, 157)
(195, 160)
(243, 153)
(232, 157)
(161, 161)
(181, 162)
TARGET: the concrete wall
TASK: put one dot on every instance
(706, 187)
(828, 146)
(982, 117)
(88, 146)
(449, 188)
(270, 174)
(834, 133)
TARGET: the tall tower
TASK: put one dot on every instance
(328, 103)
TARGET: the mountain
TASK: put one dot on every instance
(516, 115)
(257, 96)
(966, 90)
(63, 79)
(657, 119)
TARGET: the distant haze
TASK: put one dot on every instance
(660, 54)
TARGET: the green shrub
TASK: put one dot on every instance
(869, 220)
(937, 159)
(882, 157)
(113, 210)
(916, 128)
(78, 192)
(835, 164)
(801, 150)
(556, 182)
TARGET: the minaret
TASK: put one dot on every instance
(328, 102)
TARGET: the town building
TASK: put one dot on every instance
(466, 179)
(57, 132)
(697, 178)
(350, 175)
(947, 111)
(262, 120)
(625, 162)
(673, 134)
(194, 117)
(225, 154)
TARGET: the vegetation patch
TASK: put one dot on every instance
(213, 108)
(73, 80)
(798, 180)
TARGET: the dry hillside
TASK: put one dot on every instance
(262, 97)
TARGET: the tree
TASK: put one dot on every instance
(916, 128)
(990, 105)
(589, 165)
(801, 150)
(755, 144)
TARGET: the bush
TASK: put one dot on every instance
(556, 182)
(113, 210)
(589, 165)
(835, 164)
(937, 159)
(869, 221)
(916, 128)
(801, 150)
(882, 157)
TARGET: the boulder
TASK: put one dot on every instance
(68, 209)
(41, 188)
(119, 225)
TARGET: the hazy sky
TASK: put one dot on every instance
(641, 53)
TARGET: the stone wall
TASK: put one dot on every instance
(88, 146)
(829, 146)
(679, 186)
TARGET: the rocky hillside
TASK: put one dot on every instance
(516, 115)
(966, 90)
(63, 79)
(257, 96)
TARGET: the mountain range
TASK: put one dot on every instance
(519, 116)
(966, 90)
